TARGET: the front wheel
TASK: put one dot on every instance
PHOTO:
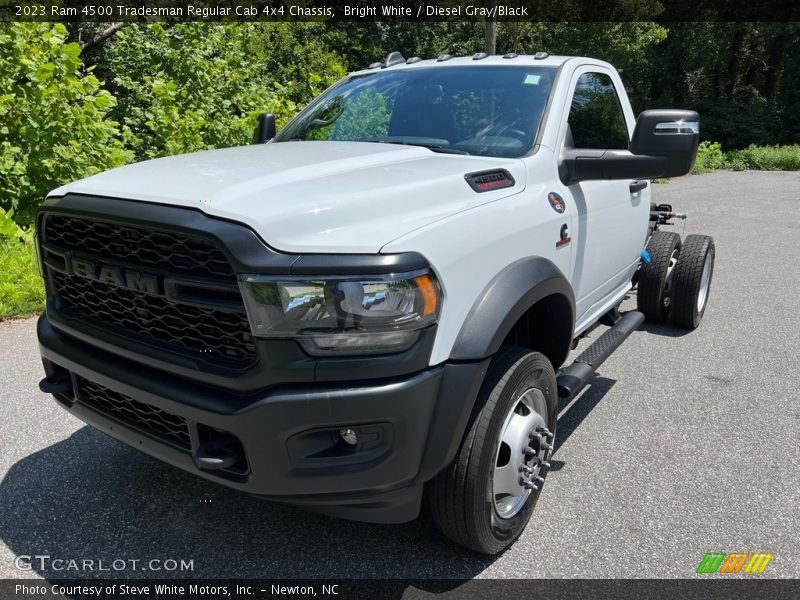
(484, 499)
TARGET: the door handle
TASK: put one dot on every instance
(637, 186)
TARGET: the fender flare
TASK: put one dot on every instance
(505, 299)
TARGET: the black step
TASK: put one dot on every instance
(572, 379)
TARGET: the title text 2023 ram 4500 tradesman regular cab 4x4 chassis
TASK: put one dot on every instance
(378, 300)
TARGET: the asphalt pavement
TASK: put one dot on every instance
(685, 443)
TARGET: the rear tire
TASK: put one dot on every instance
(692, 281)
(479, 501)
(654, 293)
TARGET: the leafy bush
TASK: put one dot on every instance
(195, 86)
(766, 158)
(10, 230)
(709, 158)
(54, 125)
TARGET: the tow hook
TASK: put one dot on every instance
(55, 384)
(216, 454)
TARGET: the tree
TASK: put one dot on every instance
(54, 117)
(741, 77)
(194, 86)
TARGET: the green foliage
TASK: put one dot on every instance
(766, 158)
(294, 56)
(21, 288)
(195, 86)
(709, 158)
(10, 229)
(54, 125)
(741, 78)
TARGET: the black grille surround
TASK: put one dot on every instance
(145, 418)
(214, 331)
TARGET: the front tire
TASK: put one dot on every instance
(485, 498)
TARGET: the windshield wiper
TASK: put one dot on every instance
(431, 147)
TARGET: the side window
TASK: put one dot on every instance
(596, 120)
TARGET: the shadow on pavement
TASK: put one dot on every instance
(90, 497)
(665, 330)
(591, 396)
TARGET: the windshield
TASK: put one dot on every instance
(486, 111)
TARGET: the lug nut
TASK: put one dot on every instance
(539, 479)
(529, 486)
(529, 450)
(545, 464)
(546, 446)
(525, 469)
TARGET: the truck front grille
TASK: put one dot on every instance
(164, 250)
(207, 325)
(200, 333)
(148, 419)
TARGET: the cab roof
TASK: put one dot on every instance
(477, 60)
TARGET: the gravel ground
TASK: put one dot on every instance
(685, 443)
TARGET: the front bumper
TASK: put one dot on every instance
(410, 427)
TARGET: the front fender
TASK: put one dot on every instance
(505, 299)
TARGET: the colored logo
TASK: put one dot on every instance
(557, 202)
(734, 562)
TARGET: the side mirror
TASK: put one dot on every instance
(265, 128)
(673, 134)
(664, 144)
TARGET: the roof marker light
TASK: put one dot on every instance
(394, 58)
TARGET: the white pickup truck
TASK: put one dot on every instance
(376, 303)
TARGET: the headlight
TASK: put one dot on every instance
(375, 314)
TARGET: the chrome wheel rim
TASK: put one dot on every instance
(705, 283)
(667, 296)
(521, 459)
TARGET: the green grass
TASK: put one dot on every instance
(21, 288)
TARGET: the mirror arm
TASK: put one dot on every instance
(265, 128)
(582, 165)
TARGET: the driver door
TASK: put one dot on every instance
(609, 226)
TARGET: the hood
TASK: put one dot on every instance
(311, 197)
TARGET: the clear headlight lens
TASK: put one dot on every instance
(343, 315)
